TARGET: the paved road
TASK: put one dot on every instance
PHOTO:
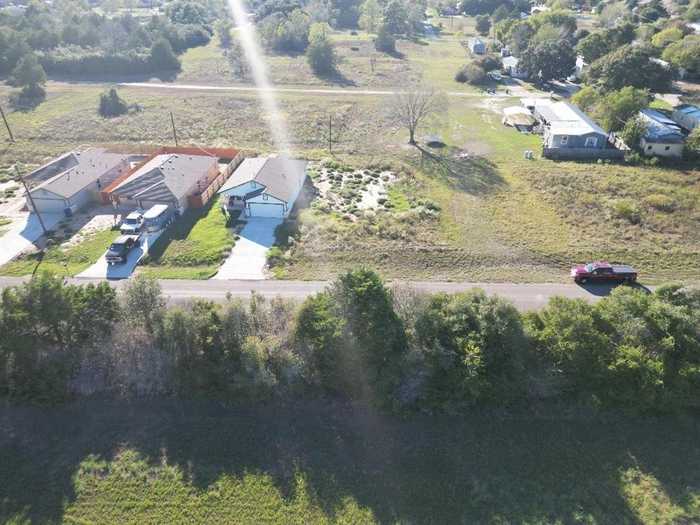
(524, 296)
(514, 90)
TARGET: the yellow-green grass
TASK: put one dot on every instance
(63, 261)
(185, 462)
(193, 247)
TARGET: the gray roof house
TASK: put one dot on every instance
(512, 68)
(477, 46)
(265, 186)
(663, 137)
(167, 179)
(72, 181)
(571, 134)
(687, 116)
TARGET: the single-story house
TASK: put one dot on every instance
(687, 116)
(571, 134)
(664, 137)
(265, 186)
(510, 67)
(169, 178)
(477, 46)
(69, 183)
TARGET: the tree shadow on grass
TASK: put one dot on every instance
(472, 468)
(471, 174)
(337, 78)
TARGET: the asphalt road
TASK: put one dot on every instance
(523, 296)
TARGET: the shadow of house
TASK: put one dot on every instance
(473, 468)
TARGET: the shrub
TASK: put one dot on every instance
(385, 41)
(628, 210)
(660, 202)
(111, 105)
(471, 73)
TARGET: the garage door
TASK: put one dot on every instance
(49, 205)
(266, 210)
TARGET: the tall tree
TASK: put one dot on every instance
(413, 107)
(370, 16)
(549, 60)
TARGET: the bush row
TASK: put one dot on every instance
(358, 340)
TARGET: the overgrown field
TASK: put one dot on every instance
(170, 462)
(497, 217)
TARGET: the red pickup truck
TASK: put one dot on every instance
(603, 272)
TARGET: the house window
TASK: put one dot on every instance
(264, 196)
(648, 148)
(667, 148)
(591, 142)
(565, 140)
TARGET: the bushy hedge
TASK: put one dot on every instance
(357, 340)
(83, 62)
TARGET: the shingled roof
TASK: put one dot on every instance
(74, 171)
(281, 176)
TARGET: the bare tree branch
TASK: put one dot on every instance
(413, 107)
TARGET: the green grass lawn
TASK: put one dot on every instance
(193, 247)
(317, 462)
(63, 261)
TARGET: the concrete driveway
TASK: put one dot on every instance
(23, 233)
(249, 256)
(102, 270)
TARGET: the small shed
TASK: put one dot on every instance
(519, 118)
(511, 67)
(663, 137)
(477, 46)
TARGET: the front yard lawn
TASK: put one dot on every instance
(193, 247)
(63, 261)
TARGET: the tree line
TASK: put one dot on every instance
(71, 39)
(358, 340)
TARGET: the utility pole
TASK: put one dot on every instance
(31, 199)
(7, 125)
(172, 121)
(330, 134)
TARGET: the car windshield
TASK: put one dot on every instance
(589, 268)
(131, 221)
(116, 247)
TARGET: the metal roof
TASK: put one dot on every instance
(281, 176)
(77, 170)
(661, 128)
(693, 111)
(567, 119)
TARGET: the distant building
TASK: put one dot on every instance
(477, 46)
(73, 181)
(580, 68)
(511, 67)
(687, 116)
(663, 138)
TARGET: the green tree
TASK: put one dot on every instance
(28, 72)
(631, 66)
(223, 32)
(385, 41)
(615, 108)
(667, 36)
(321, 53)
(143, 302)
(396, 18)
(371, 16)
(474, 348)
(111, 104)
(162, 57)
(471, 73)
(483, 24)
(549, 60)
(685, 54)
(634, 130)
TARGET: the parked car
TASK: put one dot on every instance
(158, 218)
(132, 224)
(118, 252)
(603, 272)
